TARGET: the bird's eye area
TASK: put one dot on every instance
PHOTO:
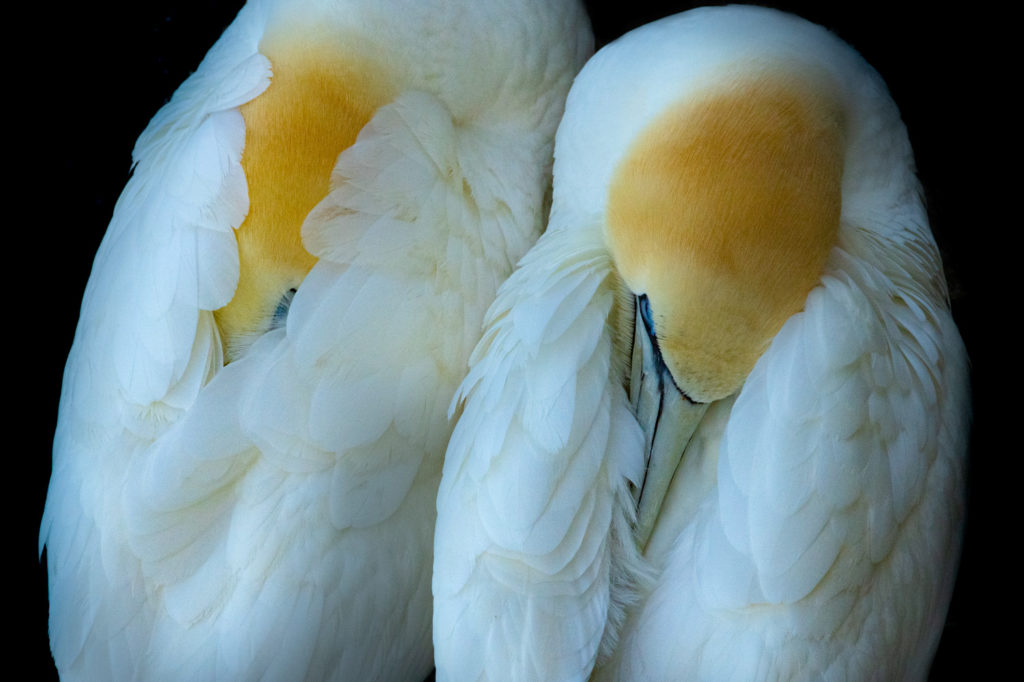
(644, 305)
(281, 312)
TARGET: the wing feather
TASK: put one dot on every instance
(532, 477)
(349, 408)
(816, 511)
(145, 345)
(307, 432)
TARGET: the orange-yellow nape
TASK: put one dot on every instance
(318, 99)
(723, 211)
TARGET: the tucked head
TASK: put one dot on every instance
(718, 148)
(333, 65)
(722, 212)
(717, 155)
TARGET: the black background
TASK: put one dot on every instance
(88, 78)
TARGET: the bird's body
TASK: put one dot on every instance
(253, 414)
(736, 227)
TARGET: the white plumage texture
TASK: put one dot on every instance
(812, 528)
(270, 517)
(533, 512)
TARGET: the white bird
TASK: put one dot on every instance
(737, 251)
(253, 414)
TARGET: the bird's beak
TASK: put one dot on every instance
(668, 419)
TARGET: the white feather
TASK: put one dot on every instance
(522, 548)
(812, 528)
(272, 519)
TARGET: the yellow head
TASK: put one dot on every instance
(723, 211)
(318, 99)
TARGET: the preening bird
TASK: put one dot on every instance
(253, 414)
(717, 423)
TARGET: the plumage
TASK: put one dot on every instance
(737, 189)
(253, 413)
